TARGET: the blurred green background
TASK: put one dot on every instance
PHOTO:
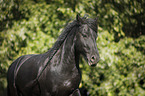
(32, 27)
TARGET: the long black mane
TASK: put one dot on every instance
(64, 35)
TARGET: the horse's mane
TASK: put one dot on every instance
(64, 34)
(61, 38)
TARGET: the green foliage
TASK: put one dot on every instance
(32, 27)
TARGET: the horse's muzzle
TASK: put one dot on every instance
(93, 61)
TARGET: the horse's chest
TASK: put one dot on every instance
(65, 87)
(67, 81)
(61, 83)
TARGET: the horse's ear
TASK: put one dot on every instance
(79, 19)
(96, 20)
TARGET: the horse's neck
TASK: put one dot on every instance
(68, 52)
(66, 55)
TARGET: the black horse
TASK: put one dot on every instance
(56, 72)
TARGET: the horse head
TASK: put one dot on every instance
(86, 40)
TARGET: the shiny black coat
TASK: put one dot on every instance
(56, 72)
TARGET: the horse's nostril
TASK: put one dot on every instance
(92, 59)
